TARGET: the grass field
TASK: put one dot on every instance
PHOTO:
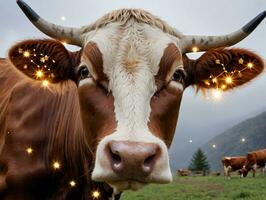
(208, 187)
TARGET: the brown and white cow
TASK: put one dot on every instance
(125, 111)
(231, 164)
(254, 160)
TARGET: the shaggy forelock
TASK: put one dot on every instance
(124, 15)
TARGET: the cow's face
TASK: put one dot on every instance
(131, 102)
(137, 73)
(243, 172)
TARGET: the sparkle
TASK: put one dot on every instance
(207, 83)
(29, 150)
(190, 141)
(63, 18)
(26, 54)
(195, 49)
(72, 183)
(243, 140)
(241, 61)
(39, 74)
(214, 80)
(217, 94)
(229, 80)
(45, 83)
(250, 65)
(42, 59)
(214, 146)
(95, 194)
(64, 43)
(56, 165)
(223, 87)
(25, 67)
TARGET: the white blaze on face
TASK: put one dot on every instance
(131, 57)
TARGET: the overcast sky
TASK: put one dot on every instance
(199, 118)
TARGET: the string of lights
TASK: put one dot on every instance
(42, 65)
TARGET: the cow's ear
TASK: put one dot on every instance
(44, 60)
(224, 68)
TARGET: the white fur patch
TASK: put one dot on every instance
(143, 46)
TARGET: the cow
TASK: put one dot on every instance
(183, 172)
(107, 113)
(254, 160)
(231, 164)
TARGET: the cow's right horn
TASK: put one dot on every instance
(64, 34)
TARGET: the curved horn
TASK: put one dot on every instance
(192, 43)
(66, 34)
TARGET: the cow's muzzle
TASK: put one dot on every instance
(132, 160)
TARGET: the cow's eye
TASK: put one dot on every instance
(83, 71)
(179, 75)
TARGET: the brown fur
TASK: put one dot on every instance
(164, 113)
(97, 109)
(170, 56)
(92, 52)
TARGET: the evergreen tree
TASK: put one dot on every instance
(199, 162)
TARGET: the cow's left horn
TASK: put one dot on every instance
(65, 34)
(192, 43)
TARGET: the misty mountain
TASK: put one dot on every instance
(182, 150)
(246, 136)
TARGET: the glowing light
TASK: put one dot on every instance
(95, 194)
(39, 74)
(241, 61)
(195, 49)
(190, 141)
(207, 83)
(223, 87)
(45, 83)
(42, 59)
(250, 65)
(214, 80)
(56, 165)
(214, 146)
(243, 140)
(217, 94)
(25, 67)
(26, 54)
(64, 43)
(72, 183)
(63, 18)
(217, 61)
(229, 80)
(29, 150)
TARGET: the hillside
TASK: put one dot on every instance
(229, 143)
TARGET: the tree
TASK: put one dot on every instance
(199, 162)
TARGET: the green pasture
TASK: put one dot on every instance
(203, 187)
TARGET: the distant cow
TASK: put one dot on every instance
(255, 160)
(231, 164)
(183, 172)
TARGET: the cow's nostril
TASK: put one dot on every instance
(115, 159)
(149, 162)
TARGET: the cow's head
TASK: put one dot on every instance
(137, 72)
